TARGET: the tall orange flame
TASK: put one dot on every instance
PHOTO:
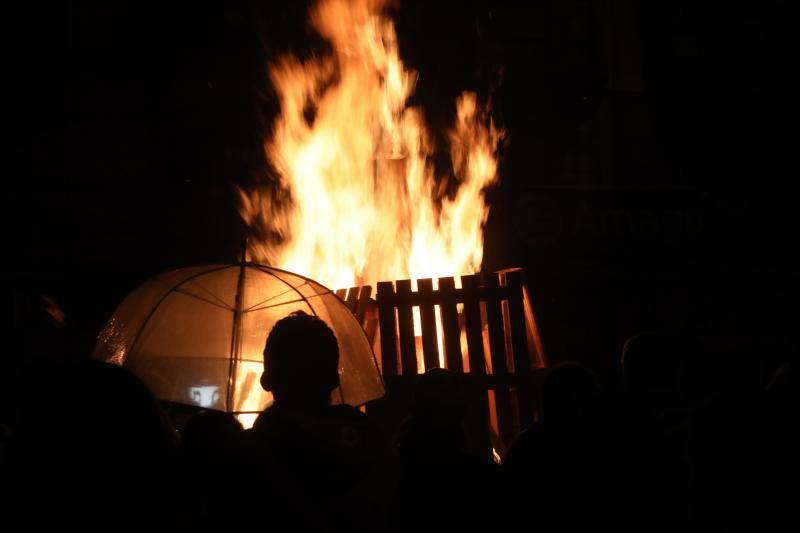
(361, 201)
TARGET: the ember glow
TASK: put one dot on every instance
(357, 200)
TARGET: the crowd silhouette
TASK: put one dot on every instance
(92, 449)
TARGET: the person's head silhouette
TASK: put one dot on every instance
(569, 395)
(301, 362)
(648, 362)
(437, 408)
(652, 372)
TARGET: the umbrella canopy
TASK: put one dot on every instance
(196, 335)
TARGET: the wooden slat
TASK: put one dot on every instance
(405, 318)
(416, 299)
(472, 323)
(363, 303)
(427, 317)
(452, 334)
(388, 328)
(519, 342)
(494, 319)
(371, 327)
(505, 414)
(341, 293)
(478, 417)
(497, 344)
(534, 340)
(352, 299)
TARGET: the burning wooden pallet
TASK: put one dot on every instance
(485, 329)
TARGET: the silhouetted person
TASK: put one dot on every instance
(442, 487)
(652, 436)
(207, 444)
(208, 434)
(726, 450)
(653, 375)
(554, 468)
(782, 468)
(39, 339)
(306, 465)
(93, 452)
(783, 387)
(744, 457)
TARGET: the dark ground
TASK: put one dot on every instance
(649, 182)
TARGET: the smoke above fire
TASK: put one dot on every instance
(357, 200)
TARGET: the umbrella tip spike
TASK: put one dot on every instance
(244, 251)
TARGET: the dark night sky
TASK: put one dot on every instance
(648, 183)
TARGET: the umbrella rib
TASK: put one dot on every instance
(252, 307)
(301, 299)
(220, 300)
(215, 304)
(216, 358)
(236, 334)
(291, 287)
(166, 294)
(341, 391)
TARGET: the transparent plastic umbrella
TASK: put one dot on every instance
(196, 335)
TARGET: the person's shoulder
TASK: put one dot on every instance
(246, 441)
(530, 436)
(354, 429)
(348, 412)
(525, 447)
(351, 417)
